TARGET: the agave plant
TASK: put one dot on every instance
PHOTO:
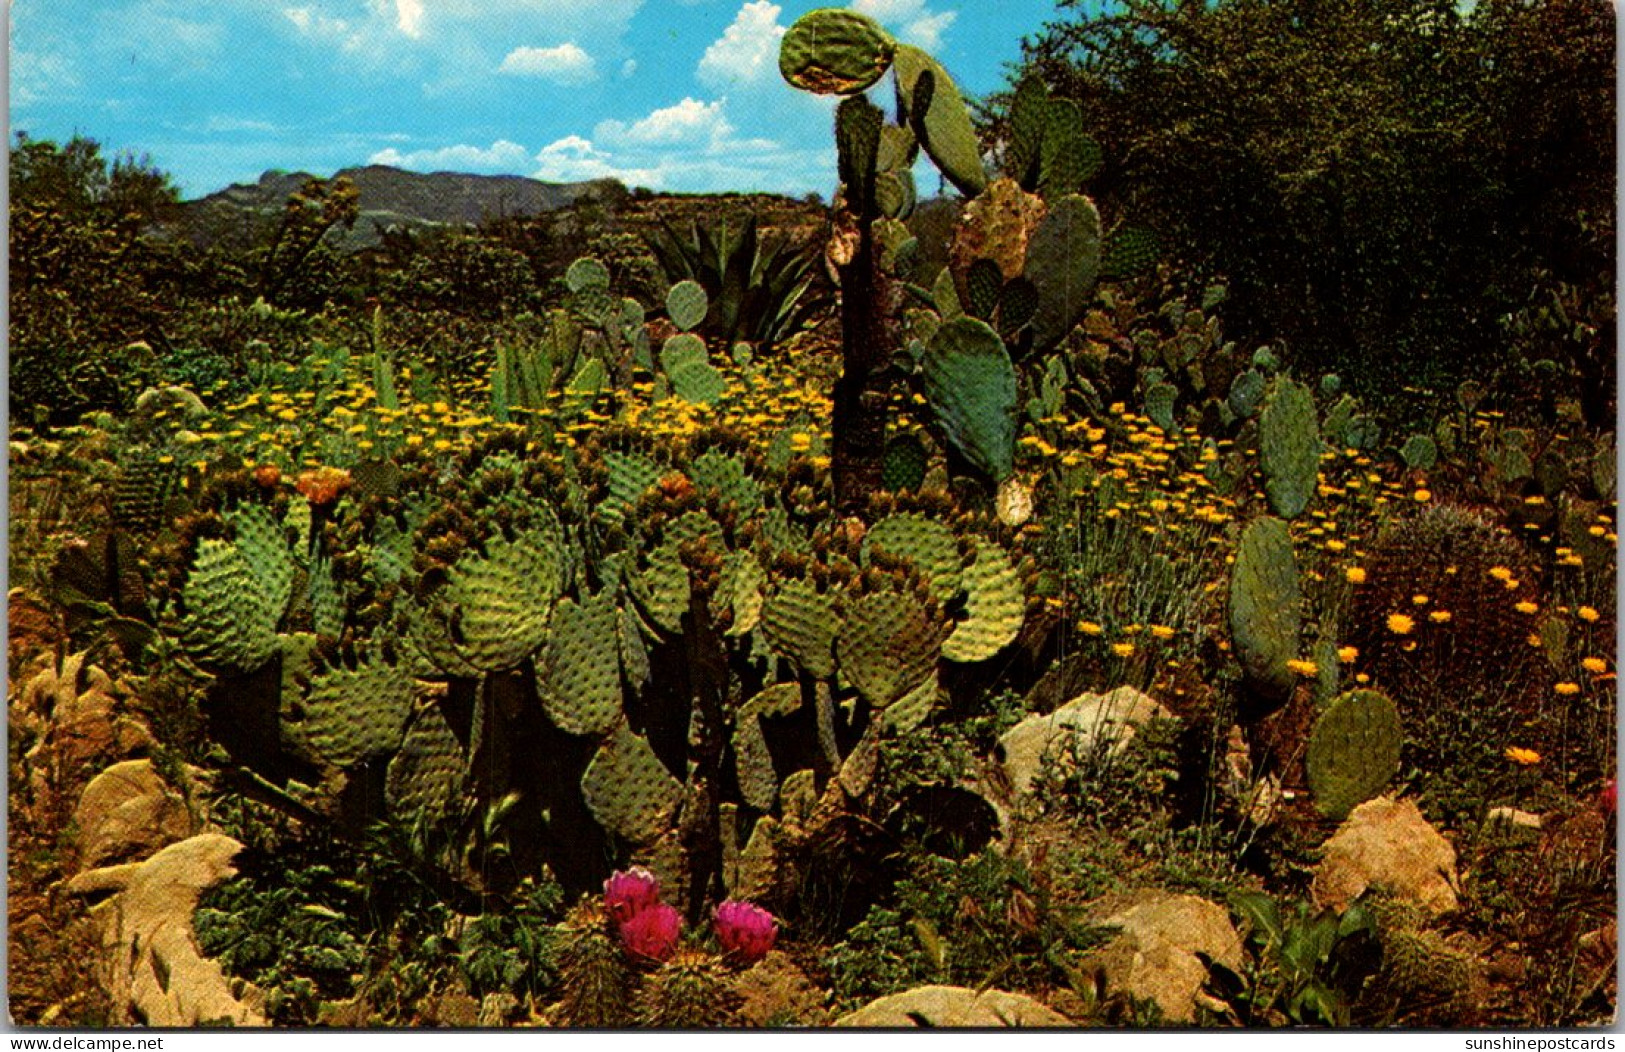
(760, 290)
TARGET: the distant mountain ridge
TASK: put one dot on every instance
(389, 197)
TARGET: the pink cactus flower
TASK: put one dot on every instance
(1608, 797)
(746, 932)
(629, 893)
(652, 932)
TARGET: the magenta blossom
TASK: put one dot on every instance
(1608, 796)
(629, 893)
(651, 933)
(746, 932)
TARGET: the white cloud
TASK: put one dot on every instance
(409, 17)
(911, 19)
(500, 156)
(747, 48)
(565, 64)
(690, 122)
(692, 146)
(574, 159)
(629, 67)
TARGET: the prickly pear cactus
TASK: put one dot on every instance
(757, 781)
(688, 366)
(1289, 447)
(686, 304)
(1353, 751)
(1264, 600)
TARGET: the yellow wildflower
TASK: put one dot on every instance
(1090, 628)
(1439, 617)
(1303, 668)
(1595, 665)
(1347, 654)
(1566, 688)
(1526, 607)
(1123, 650)
(1500, 573)
(1521, 756)
(1399, 624)
(1419, 600)
(1355, 574)
(1162, 632)
(1588, 614)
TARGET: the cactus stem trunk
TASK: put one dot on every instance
(861, 393)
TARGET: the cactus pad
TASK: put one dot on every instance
(688, 366)
(887, 646)
(1289, 447)
(628, 790)
(587, 274)
(231, 617)
(1063, 263)
(939, 116)
(1264, 600)
(996, 225)
(757, 781)
(686, 304)
(426, 775)
(927, 543)
(726, 474)
(352, 714)
(834, 51)
(971, 384)
(630, 477)
(905, 463)
(801, 624)
(506, 597)
(1353, 751)
(581, 682)
(994, 605)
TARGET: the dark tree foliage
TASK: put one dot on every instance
(1381, 182)
(82, 305)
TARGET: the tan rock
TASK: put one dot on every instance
(953, 1006)
(1087, 722)
(151, 950)
(1156, 956)
(81, 724)
(126, 812)
(1386, 844)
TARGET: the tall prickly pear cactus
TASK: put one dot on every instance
(1264, 600)
(1353, 751)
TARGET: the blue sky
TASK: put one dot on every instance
(678, 95)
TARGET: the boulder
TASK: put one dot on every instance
(1386, 844)
(128, 812)
(953, 1006)
(150, 948)
(1083, 724)
(1156, 955)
